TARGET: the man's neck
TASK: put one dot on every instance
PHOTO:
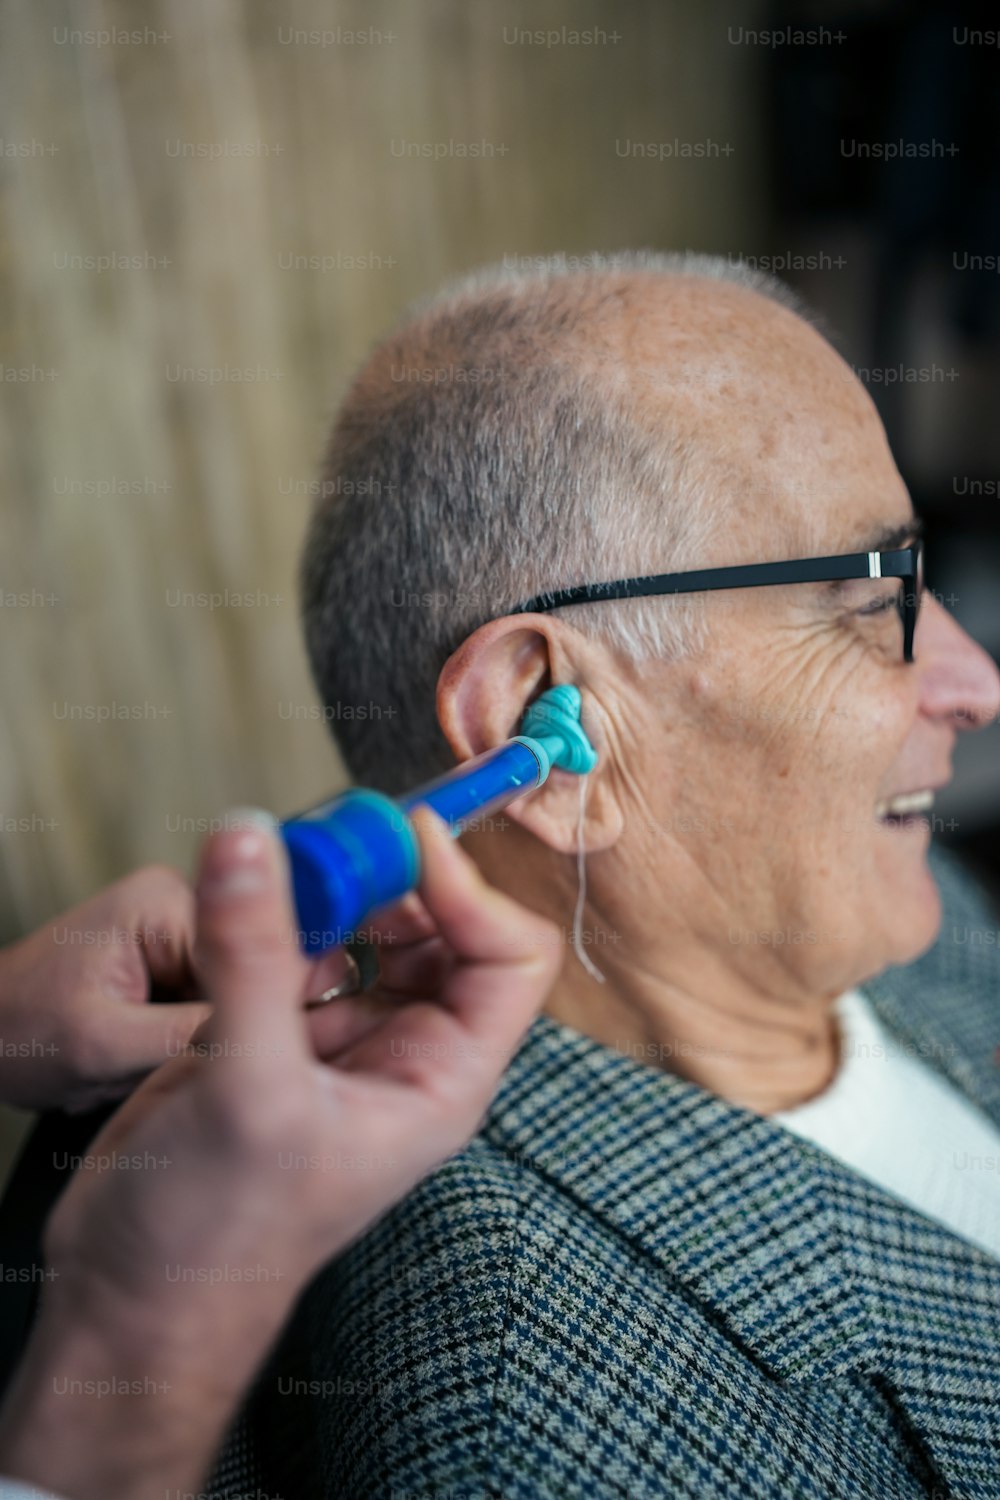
(762, 1054)
(670, 999)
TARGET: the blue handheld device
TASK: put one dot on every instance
(359, 852)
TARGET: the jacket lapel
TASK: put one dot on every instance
(951, 1020)
(934, 1303)
(934, 1299)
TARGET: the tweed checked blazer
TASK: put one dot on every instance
(627, 1287)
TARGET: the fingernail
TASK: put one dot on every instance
(253, 819)
(243, 857)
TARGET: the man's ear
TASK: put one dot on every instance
(482, 694)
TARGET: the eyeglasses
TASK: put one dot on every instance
(904, 563)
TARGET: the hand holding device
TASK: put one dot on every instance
(276, 1137)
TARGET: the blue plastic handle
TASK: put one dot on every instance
(351, 856)
(359, 852)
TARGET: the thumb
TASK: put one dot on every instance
(246, 939)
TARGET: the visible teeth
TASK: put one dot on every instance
(905, 805)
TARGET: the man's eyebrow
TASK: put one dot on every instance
(888, 538)
(885, 539)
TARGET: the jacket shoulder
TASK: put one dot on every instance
(394, 1353)
(492, 1335)
(442, 1352)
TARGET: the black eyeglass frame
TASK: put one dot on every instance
(902, 563)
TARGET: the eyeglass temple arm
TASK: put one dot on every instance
(895, 564)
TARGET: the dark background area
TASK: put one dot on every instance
(905, 269)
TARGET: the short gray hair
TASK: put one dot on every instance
(476, 461)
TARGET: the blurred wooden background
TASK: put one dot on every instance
(206, 155)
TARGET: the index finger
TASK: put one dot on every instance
(406, 921)
(507, 957)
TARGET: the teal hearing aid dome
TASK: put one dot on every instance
(556, 716)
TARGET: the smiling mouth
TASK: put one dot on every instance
(905, 811)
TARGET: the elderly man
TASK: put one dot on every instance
(722, 1232)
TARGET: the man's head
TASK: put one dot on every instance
(523, 433)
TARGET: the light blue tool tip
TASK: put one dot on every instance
(554, 721)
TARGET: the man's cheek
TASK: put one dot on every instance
(877, 716)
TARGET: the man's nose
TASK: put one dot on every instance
(959, 681)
